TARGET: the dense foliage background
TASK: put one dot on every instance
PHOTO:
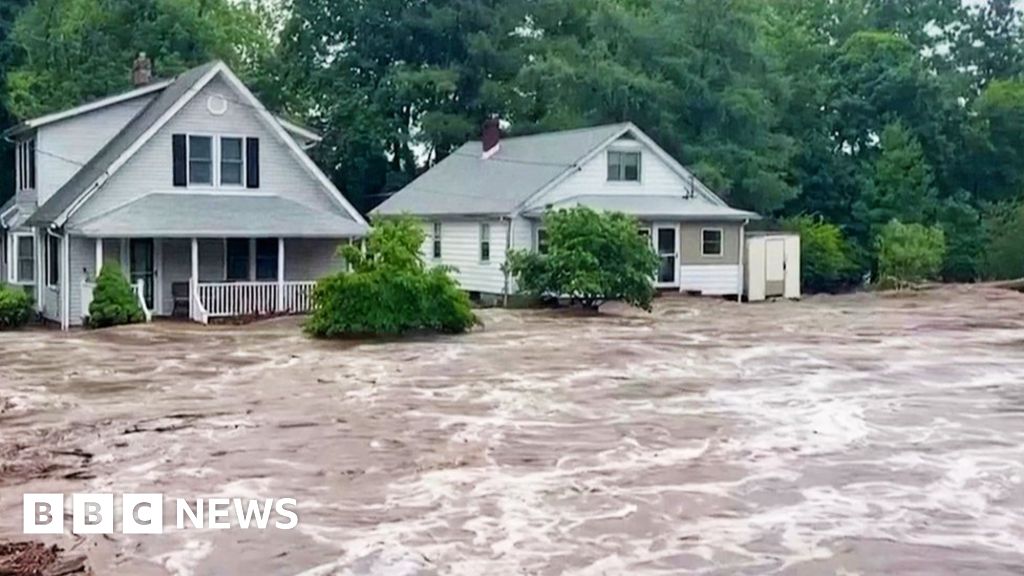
(857, 112)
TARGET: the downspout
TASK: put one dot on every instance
(743, 267)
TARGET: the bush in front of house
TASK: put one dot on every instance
(114, 301)
(15, 307)
(389, 290)
(592, 258)
(827, 262)
(909, 254)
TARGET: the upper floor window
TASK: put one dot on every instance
(25, 165)
(232, 162)
(623, 166)
(203, 160)
(437, 240)
(200, 160)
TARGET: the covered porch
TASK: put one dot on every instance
(218, 257)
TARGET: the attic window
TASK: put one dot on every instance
(623, 166)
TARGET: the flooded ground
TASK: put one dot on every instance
(840, 435)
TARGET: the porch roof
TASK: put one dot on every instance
(653, 206)
(178, 215)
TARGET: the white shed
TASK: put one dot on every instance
(772, 265)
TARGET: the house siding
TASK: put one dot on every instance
(150, 169)
(82, 252)
(311, 259)
(656, 177)
(65, 145)
(460, 248)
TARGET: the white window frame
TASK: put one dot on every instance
(16, 259)
(220, 159)
(536, 239)
(23, 165)
(437, 234)
(721, 242)
(214, 161)
(485, 238)
(52, 283)
(639, 167)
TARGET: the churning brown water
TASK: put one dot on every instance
(843, 435)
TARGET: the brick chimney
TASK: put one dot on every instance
(491, 137)
(142, 71)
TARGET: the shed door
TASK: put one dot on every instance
(775, 267)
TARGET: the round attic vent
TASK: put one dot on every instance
(217, 104)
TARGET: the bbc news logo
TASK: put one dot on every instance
(144, 513)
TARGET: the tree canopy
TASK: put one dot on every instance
(854, 111)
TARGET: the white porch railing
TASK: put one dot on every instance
(298, 297)
(224, 299)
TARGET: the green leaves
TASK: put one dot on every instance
(15, 307)
(389, 290)
(114, 301)
(592, 258)
(909, 254)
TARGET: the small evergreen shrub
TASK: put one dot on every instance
(909, 254)
(15, 307)
(593, 257)
(114, 301)
(389, 291)
(827, 263)
(1004, 241)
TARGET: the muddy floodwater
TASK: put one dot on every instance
(850, 435)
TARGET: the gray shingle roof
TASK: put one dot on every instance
(100, 163)
(654, 206)
(185, 215)
(465, 183)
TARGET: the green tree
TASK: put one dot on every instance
(70, 51)
(8, 12)
(1004, 241)
(827, 262)
(909, 254)
(903, 183)
(114, 301)
(593, 257)
(389, 290)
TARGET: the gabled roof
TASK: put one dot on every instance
(95, 168)
(465, 183)
(145, 124)
(87, 107)
(522, 171)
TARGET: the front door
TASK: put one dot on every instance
(667, 244)
(141, 264)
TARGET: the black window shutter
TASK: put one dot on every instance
(252, 162)
(180, 161)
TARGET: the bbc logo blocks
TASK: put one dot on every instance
(93, 513)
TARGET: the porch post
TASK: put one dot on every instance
(99, 256)
(193, 288)
(280, 275)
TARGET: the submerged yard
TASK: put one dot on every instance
(840, 435)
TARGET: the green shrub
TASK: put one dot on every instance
(827, 262)
(965, 240)
(1004, 242)
(909, 253)
(15, 307)
(114, 301)
(389, 290)
(592, 258)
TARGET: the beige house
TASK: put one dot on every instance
(489, 197)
